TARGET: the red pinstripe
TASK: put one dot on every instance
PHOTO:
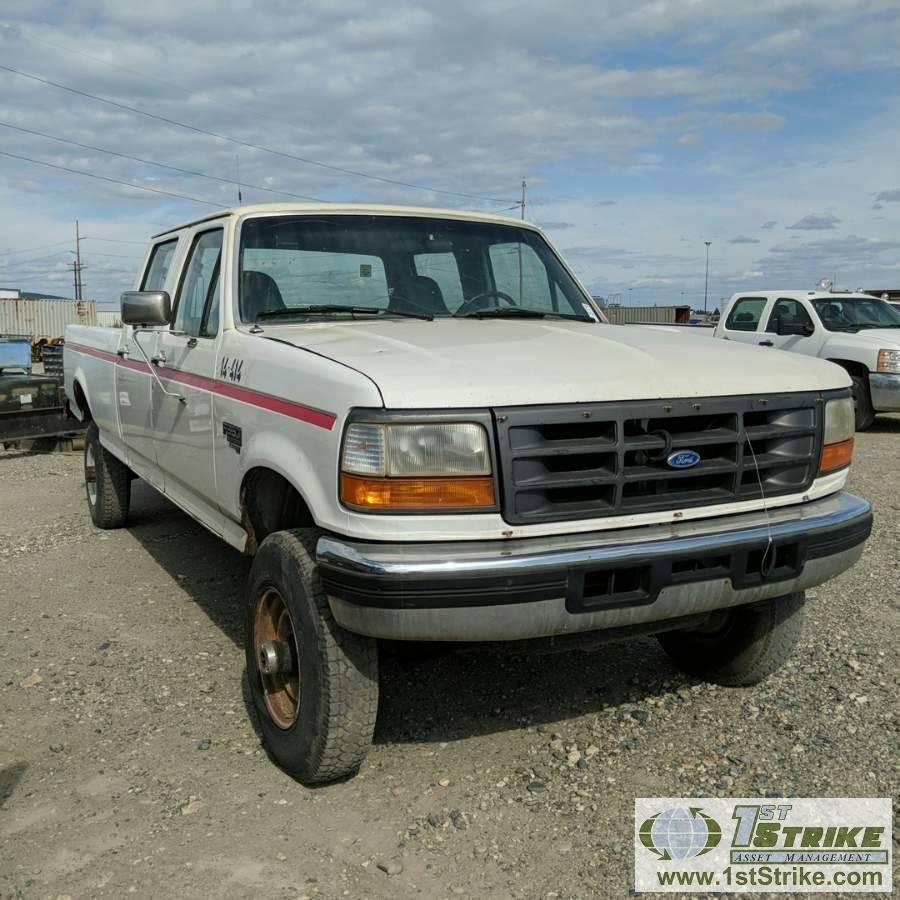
(292, 409)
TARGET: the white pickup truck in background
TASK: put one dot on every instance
(423, 428)
(859, 332)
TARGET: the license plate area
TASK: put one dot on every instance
(640, 581)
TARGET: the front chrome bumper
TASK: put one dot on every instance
(885, 390)
(534, 587)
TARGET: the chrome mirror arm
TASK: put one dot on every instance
(152, 368)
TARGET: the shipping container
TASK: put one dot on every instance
(45, 319)
(648, 315)
(109, 318)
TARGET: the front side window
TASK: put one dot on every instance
(786, 308)
(158, 268)
(197, 303)
(853, 314)
(313, 266)
(745, 314)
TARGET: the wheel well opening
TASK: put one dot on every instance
(82, 404)
(852, 367)
(269, 503)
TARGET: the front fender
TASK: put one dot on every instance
(273, 450)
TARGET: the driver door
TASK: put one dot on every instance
(790, 308)
(185, 361)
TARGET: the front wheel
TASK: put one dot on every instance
(740, 646)
(862, 402)
(314, 685)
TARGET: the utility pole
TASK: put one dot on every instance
(522, 202)
(79, 289)
(706, 287)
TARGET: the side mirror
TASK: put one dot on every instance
(789, 327)
(146, 308)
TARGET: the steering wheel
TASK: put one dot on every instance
(470, 305)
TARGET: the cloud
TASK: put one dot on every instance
(760, 121)
(815, 222)
(690, 137)
(889, 196)
(743, 239)
(877, 206)
(768, 226)
(605, 203)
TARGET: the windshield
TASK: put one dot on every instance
(855, 313)
(387, 265)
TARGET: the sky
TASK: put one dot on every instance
(644, 128)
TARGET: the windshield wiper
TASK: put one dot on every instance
(518, 312)
(328, 308)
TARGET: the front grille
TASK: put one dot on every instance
(583, 461)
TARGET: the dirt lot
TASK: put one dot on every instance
(129, 764)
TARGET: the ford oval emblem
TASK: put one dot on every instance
(683, 459)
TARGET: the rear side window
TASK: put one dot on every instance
(745, 314)
(158, 268)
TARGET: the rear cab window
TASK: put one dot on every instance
(159, 266)
(746, 314)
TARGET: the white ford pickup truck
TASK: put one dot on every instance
(859, 332)
(423, 429)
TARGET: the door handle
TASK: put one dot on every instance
(160, 359)
(123, 352)
(766, 344)
(192, 342)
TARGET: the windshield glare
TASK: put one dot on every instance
(436, 267)
(854, 313)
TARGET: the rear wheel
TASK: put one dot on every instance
(740, 646)
(107, 483)
(314, 685)
(862, 399)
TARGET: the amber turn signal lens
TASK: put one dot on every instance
(836, 456)
(416, 493)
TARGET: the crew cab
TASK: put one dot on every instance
(423, 429)
(859, 332)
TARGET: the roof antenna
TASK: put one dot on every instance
(237, 166)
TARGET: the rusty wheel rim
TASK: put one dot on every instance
(90, 474)
(272, 626)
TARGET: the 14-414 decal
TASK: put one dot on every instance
(231, 368)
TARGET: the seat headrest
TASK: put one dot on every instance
(259, 294)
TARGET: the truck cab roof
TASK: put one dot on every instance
(349, 209)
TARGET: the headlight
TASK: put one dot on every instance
(416, 467)
(889, 361)
(840, 424)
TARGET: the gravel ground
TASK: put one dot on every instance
(129, 764)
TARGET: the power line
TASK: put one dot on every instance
(137, 187)
(241, 143)
(93, 237)
(32, 249)
(150, 162)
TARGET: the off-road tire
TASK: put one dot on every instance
(862, 402)
(338, 698)
(109, 507)
(748, 644)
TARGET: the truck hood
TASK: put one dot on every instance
(460, 362)
(868, 338)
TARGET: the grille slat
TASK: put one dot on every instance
(560, 463)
